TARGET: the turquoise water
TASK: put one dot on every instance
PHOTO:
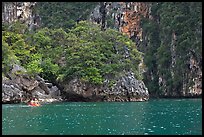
(154, 117)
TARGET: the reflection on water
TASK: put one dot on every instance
(155, 117)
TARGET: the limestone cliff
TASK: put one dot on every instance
(127, 17)
(20, 11)
(125, 88)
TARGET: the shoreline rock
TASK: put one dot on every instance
(19, 88)
(125, 88)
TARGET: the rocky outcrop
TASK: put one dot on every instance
(18, 88)
(11, 92)
(125, 88)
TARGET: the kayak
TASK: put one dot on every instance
(34, 104)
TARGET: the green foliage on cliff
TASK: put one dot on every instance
(98, 54)
(63, 14)
(173, 36)
(84, 52)
(8, 57)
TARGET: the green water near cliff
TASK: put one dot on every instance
(154, 117)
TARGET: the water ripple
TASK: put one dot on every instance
(148, 118)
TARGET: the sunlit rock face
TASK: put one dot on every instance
(196, 75)
(20, 11)
(125, 88)
(19, 87)
(124, 16)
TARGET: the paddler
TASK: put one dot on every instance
(34, 102)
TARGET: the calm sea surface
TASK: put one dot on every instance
(154, 117)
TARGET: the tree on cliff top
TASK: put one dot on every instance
(96, 55)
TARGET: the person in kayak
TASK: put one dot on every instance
(34, 102)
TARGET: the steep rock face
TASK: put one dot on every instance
(183, 81)
(124, 16)
(132, 18)
(196, 75)
(20, 11)
(192, 86)
(125, 88)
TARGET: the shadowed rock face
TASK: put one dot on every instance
(126, 88)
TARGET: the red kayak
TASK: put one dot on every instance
(34, 104)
